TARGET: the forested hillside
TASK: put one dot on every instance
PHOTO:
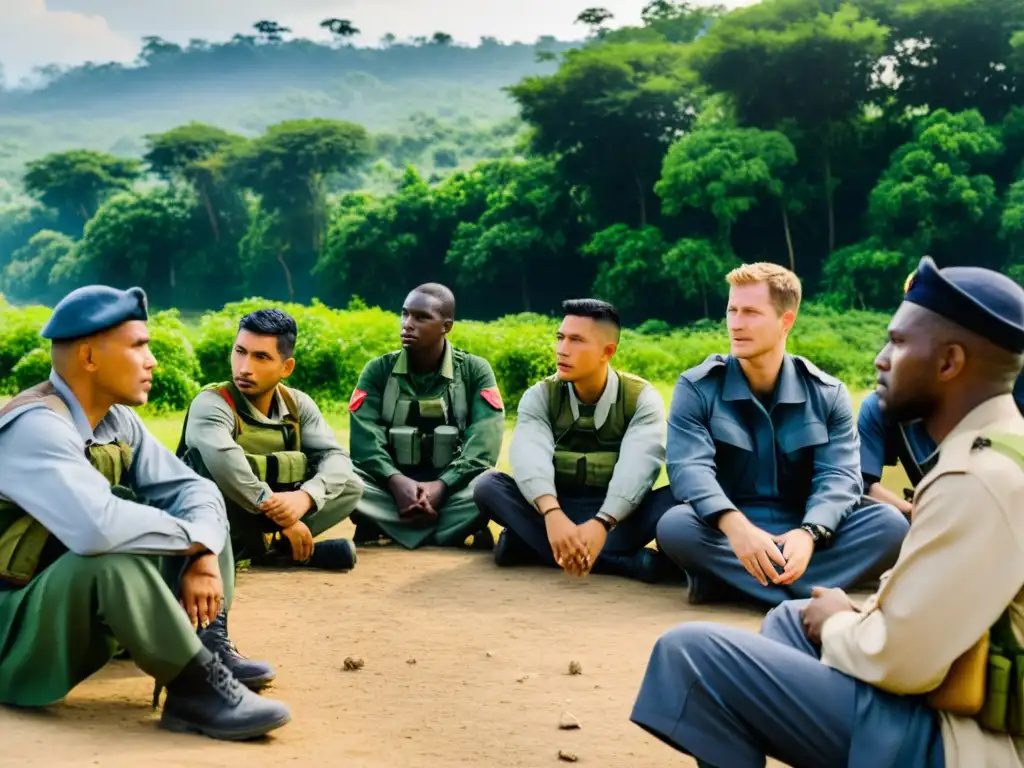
(845, 140)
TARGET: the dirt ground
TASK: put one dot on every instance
(465, 665)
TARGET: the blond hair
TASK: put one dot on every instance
(783, 285)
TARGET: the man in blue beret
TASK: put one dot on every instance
(828, 682)
(885, 443)
(107, 539)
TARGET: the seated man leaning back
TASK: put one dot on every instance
(588, 446)
(762, 452)
(284, 477)
(108, 541)
(426, 421)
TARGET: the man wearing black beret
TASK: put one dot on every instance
(897, 681)
(103, 531)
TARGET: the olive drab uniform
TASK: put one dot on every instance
(276, 456)
(51, 634)
(585, 457)
(443, 425)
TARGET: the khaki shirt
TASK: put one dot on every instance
(961, 565)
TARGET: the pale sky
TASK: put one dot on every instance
(39, 32)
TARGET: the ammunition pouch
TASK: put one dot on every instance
(21, 545)
(411, 448)
(282, 470)
(591, 470)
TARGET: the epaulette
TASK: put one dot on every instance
(817, 373)
(711, 362)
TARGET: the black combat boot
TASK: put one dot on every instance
(255, 675)
(206, 698)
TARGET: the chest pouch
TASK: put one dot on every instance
(282, 470)
(406, 445)
(446, 444)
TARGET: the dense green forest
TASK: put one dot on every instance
(845, 140)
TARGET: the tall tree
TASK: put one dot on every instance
(608, 114)
(786, 61)
(77, 181)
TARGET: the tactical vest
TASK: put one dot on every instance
(420, 432)
(274, 451)
(585, 456)
(987, 681)
(22, 538)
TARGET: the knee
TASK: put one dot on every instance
(488, 487)
(679, 529)
(783, 617)
(117, 569)
(890, 527)
(691, 645)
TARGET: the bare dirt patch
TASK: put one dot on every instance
(489, 685)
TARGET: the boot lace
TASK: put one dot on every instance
(223, 681)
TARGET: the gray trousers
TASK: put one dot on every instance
(866, 545)
(731, 698)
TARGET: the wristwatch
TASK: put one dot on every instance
(606, 520)
(820, 535)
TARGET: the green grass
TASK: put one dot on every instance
(167, 429)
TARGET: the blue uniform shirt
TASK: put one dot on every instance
(794, 459)
(884, 444)
(44, 470)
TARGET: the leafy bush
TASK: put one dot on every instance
(334, 345)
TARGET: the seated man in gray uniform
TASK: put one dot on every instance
(762, 454)
(892, 682)
(103, 531)
(588, 447)
(284, 477)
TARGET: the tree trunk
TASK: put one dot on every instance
(704, 297)
(642, 199)
(789, 236)
(829, 200)
(287, 275)
(205, 197)
(525, 288)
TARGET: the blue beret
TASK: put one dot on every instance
(983, 301)
(94, 308)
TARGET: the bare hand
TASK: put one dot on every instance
(287, 507)
(797, 547)
(567, 544)
(432, 494)
(301, 539)
(202, 591)
(406, 494)
(594, 536)
(755, 548)
(824, 604)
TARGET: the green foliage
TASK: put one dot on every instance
(333, 346)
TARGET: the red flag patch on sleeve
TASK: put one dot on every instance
(492, 397)
(356, 400)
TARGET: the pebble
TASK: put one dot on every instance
(568, 722)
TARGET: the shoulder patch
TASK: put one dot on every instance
(711, 363)
(358, 396)
(492, 396)
(816, 372)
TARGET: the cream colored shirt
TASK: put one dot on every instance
(961, 564)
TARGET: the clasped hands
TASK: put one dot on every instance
(286, 509)
(760, 551)
(575, 547)
(417, 501)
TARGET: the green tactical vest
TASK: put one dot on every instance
(1002, 710)
(585, 457)
(22, 538)
(420, 432)
(274, 451)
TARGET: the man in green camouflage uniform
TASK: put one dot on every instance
(426, 421)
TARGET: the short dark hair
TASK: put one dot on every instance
(601, 311)
(272, 322)
(443, 294)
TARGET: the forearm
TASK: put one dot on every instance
(879, 492)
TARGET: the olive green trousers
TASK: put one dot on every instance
(457, 519)
(68, 622)
(248, 531)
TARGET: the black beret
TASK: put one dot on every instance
(980, 300)
(94, 308)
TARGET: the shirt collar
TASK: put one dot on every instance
(604, 402)
(77, 412)
(447, 365)
(789, 387)
(995, 411)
